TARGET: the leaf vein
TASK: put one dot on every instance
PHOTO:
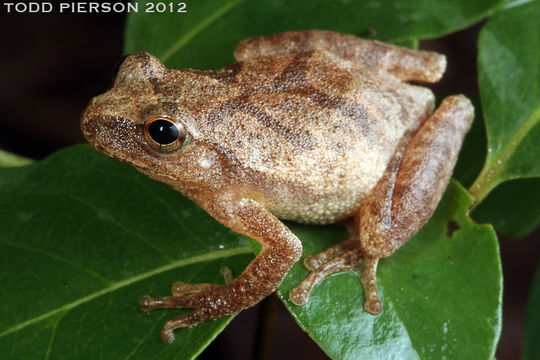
(182, 41)
(55, 257)
(53, 336)
(213, 255)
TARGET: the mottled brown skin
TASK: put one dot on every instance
(311, 126)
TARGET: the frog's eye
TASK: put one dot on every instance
(164, 134)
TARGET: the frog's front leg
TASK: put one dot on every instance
(402, 201)
(280, 250)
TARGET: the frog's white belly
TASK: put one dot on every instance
(326, 209)
(325, 194)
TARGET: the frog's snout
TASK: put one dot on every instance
(98, 119)
(93, 122)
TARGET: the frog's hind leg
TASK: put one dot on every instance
(401, 203)
(403, 63)
(347, 254)
(406, 196)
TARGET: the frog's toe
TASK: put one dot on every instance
(189, 319)
(373, 306)
(167, 335)
(332, 254)
(312, 263)
(149, 303)
(299, 296)
(180, 288)
(146, 303)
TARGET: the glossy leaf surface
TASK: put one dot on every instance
(83, 238)
(441, 294)
(512, 207)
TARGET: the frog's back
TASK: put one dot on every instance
(313, 131)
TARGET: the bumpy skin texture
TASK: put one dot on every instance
(311, 126)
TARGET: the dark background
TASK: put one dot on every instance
(52, 64)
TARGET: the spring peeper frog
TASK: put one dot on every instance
(310, 126)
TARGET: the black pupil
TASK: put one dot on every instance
(163, 132)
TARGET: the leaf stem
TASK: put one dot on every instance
(486, 181)
(490, 176)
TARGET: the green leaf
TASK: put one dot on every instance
(532, 321)
(206, 35)
(83, 238)
(8, 159)
(441, 294)
(509, 79)
(512, 207)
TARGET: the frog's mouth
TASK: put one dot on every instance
(150, 172)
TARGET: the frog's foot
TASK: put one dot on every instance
(343, 257)
(314, 262)
(196, 296)
(167, 332)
